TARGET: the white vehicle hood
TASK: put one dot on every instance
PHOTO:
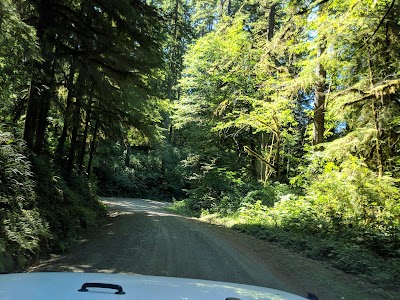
(60, 286)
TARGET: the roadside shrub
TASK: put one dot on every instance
(352, 201)
(156, 174)
(266, 196)
(348, 202)
(66, 201)
(119, 181)
(345, 214)
(216, 190)
(22, 226)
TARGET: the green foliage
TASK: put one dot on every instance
(182, 207)
(242, 111)
(347, 202)
(352, 200)
(265, 196)
(19, 49)
(23, 229)
(246, 113)
(348, 216)
(65, 87)
(157, 174)
(66, 201)
(41, 209)
(217, 190)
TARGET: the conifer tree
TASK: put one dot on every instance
(104, 55)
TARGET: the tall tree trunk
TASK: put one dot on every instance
(86, 130)
(82, 153)
(74, 134)
(255, 163)
(375, 114)
(92, 147)
(278, 155)
(173, 66)
(67, 113)
(263, 168)
(76, 119)
(222, 6)
(270, 158)
(44, 107)
(31, 117)
(319, 101)
(377, 138)
(40, 93)
(42, 123)
(128, 154)
(271, 21)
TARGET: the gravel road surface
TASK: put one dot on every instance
(140, 237)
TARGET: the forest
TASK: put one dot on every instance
(278, 118)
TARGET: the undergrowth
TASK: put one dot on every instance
(153, 175)
(42, 209)
(22, 226)
(346, 216)
(67, 202)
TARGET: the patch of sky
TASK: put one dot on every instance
(340, 127)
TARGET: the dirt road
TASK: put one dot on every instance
(139, 237)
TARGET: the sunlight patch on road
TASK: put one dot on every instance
(129, 206)
(133, 205)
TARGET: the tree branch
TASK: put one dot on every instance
(350, 90)
(388, 87)
(302, 12)
(256, 155)
(367, 97)
(267, 125)
(379, 25)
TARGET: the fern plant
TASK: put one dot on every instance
(21, 226)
